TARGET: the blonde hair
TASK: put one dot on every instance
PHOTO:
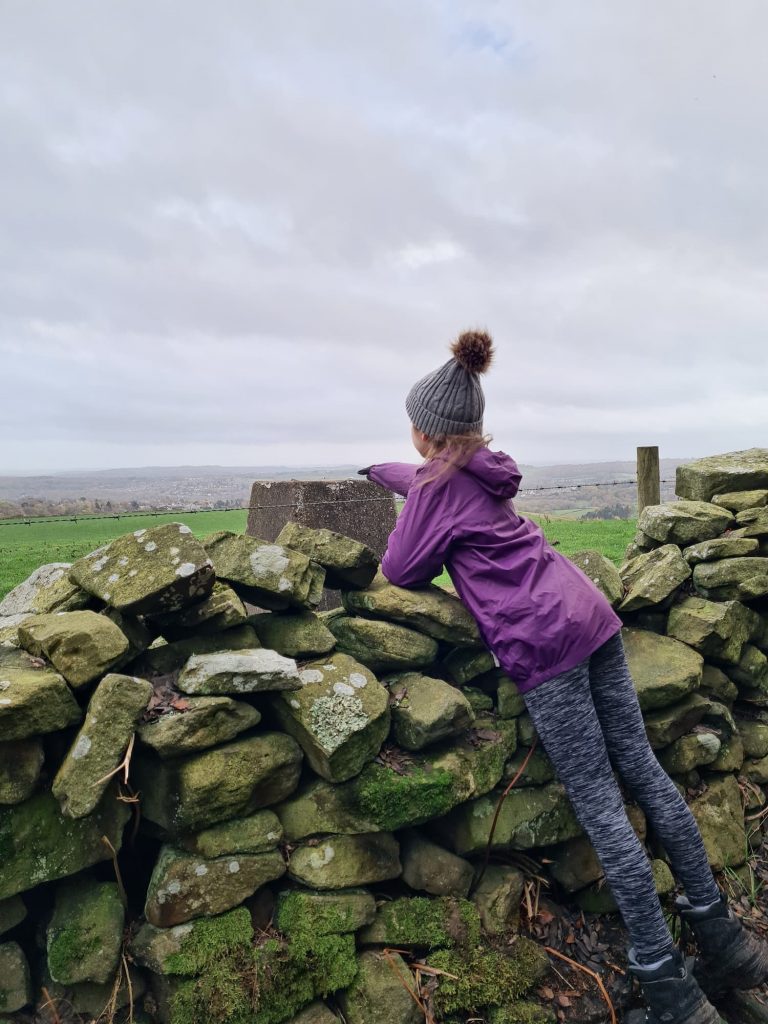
(449, 452)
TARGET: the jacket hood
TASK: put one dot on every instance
(496, 472)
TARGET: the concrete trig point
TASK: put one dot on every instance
(354, 508)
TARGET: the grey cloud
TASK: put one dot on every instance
(245, 231)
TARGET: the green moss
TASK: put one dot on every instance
(393, 800)
(266, 984)
(67, 947)
(211, 939)
(301, 916)
(522, 1013)
(443, 923)
(486, 978)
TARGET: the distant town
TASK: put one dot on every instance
(599, 490)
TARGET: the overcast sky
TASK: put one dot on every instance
(238, 232)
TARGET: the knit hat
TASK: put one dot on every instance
(450, 400)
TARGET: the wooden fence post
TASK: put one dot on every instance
(648, 478)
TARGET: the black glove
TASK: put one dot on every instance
(364, 472)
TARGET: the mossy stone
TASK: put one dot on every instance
(663, 669)
(716, 684)
(256, 833)
(298, 634)
(268, 575)
(92, 999)
(480, 701)
(429, 610)
(598, 899)
(113, 711)
(9, 629)
(420, 922)
(320, 807)
(382, 798)
(497, 897)
(740, 501)
(721, 547)
(720, 817)
(756, 770)
(731, 579)
(650, 578)
(223, 673)
(754, 736)
(340, 716)
(39, 844)
(464, 664)
(309, 912)
(529, 817)
(430, 868)
(537, 771)
(382, 646)
(347, 562)
(486, 978)
(184, 885)
(690, 752)
(229, 781)
(317, 1013)
(684, 522)
(668, 724)
(510, 703)
(753, 523)
(752, 669)
(149, 571)
(85, 933)
(715, 629)
(188, 948)
(425, 710)
(12, 912)
(602, 572)
(48, 589)
(380, 993)
(437, 779)
(731, 756)
(21, 762)
(204, 722)
(15, 984)
(81, 645)
(242, 983)
(221, 609)
(343, 862)
(162, 659)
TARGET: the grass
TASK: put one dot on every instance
(25, 547)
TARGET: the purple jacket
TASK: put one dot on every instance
(537, 611)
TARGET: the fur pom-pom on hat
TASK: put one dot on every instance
(450, 400)
(473, 350)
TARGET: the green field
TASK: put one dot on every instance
(24, 547)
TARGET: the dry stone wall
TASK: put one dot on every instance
(210, 812)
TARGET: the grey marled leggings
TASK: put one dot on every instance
(589, 719)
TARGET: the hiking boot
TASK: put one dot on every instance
(731, 956)
(672, 994)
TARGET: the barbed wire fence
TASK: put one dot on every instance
(570, 485)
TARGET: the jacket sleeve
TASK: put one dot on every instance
(395, 476)
(418, 546)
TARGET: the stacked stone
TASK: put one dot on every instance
(218, 804)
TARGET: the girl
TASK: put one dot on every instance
(555, 634)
